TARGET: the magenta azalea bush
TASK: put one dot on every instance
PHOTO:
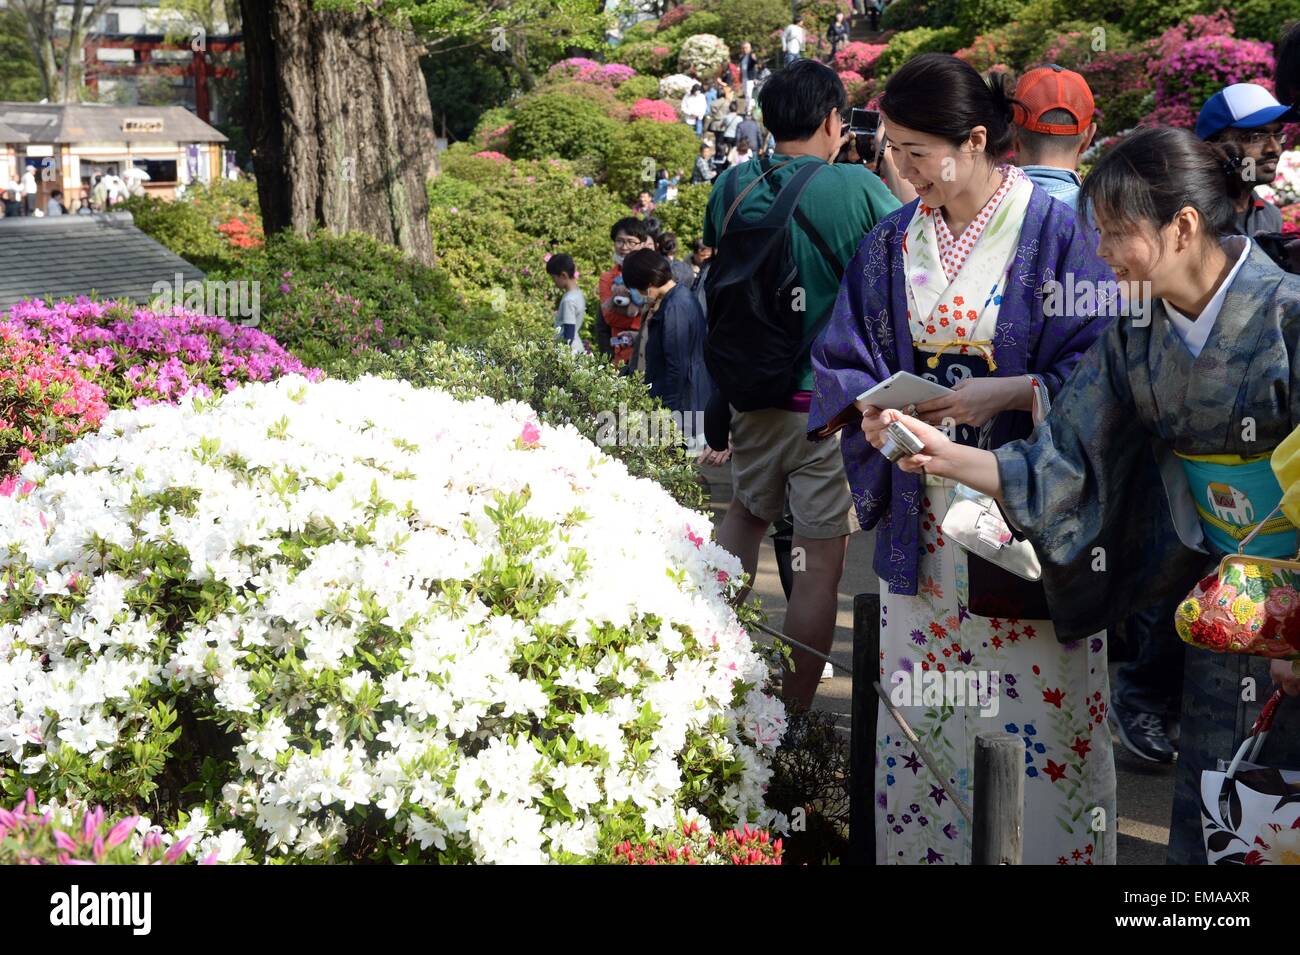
(63, 366)
(859, 57)
(491, 154)
(1192, 61)
(851, 78)
(655, 109)
(583, 70)
(31, 837)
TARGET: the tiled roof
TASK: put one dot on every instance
(64, 256)
(97, 123)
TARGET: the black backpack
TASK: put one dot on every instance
(756, 340)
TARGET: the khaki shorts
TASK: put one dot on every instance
(772, 456)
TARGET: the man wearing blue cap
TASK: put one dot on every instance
(1247, 116)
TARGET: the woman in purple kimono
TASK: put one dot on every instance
(953, 287)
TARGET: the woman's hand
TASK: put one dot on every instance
(975, 401)
(1284, 675)
(875, 421)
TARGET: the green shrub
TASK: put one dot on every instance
(184, 229)
(648, 57)
(701, 21)
(1263, 19)
(602, 97)
(557, 125)
(638, 87)
(979, 16)
(446, 191)
(328, 296)
(491, 120)
(758, 21)
(910, 14)
(684, 216)
(641, 148)
(564, 388)
(903, 46)
(496, 269)
(1148, 18)
(459, 161)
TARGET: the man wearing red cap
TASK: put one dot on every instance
(1053, 127)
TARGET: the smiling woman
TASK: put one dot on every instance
(945, 288)
(1158, 419)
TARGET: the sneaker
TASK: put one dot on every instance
(1143, 734)
(828, 671)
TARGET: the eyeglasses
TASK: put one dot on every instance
(1258, 137)
(626, 242)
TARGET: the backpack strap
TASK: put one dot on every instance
(816, 237)
(740, 198)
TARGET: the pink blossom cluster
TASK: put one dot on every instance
(29, 837)
(140, 356)
(859, 57)
(589, 71)
(492, 154)
(851, 78)
(44, 400)
(1192, 61)
(655, 109)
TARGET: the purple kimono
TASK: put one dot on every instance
(867, 339)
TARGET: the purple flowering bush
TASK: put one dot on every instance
(1192, 61)
(140, 357)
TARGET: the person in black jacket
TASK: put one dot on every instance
(837, 34)
(673, 339)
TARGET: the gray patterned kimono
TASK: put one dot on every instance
(1105, 503)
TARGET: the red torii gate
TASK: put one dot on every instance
(200, 66)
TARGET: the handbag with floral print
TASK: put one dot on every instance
(1250, 605)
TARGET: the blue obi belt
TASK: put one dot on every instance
(1233, 495)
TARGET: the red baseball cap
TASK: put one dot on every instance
(1053, 87)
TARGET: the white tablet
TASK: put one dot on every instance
(902, 389)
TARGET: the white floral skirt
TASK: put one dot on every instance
(935, 657)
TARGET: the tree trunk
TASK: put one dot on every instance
(340, 123)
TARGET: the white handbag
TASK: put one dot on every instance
(975, 522)
(1250, 814)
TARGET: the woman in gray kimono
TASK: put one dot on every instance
(1124, 490)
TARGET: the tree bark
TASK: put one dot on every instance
(340, 123)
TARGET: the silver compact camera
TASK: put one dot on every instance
(900, 443)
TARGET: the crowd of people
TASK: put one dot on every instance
(831, 261)
(20, 197)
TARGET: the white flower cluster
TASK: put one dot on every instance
(1284, 190)
(427, 623)
(673, 88)
(704, 53)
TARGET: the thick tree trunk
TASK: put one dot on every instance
(340, 123)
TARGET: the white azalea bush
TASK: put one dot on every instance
(365, 621)
(704, 53)
(673, 88)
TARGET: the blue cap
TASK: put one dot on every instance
(1239, 106)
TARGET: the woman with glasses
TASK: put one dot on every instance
(950, 287)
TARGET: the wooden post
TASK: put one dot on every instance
(862, 732)
(999, 799)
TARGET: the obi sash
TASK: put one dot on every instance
(1233, 495)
